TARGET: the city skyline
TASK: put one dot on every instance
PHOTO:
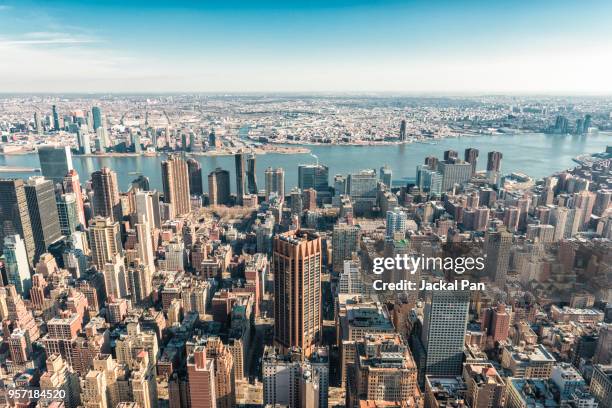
(405, 47)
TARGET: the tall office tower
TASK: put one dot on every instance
(494, 161)
(239, 159)
(497, 249)
(55, 162)
(602, 202)
(386, 175)
(339, 185)
(104, 241)
(601, 384)
(603, 351)
(450, 155)
(297, 260)
(16, 264)
(219, 187)
(14, 214)
(456, 172)
(384, 371)
(106, 201)
(432, 162)
(201, 379)
(363, 189)
(396, 222)
(496, 322)
(428, 180)
(444, 327)
(84, 142)
(309, 199)
(471, 156)
(102, 139)
(558, 219)
(297, 204)
(345, 241)
(59, 376)
(275, 182)
(290, 381)
(145, 207)
(511, 218)
(72, 184)
(195, 177)
(44, 219)
(251, 174)
(175, 178)
(56, 123)
(96, 113)
(145, 242)
(38, 126)
(313, 176)
(115, 278)
(402, 131)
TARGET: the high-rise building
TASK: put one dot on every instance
(147, 206)
(363, 189)
(494, 161)
(471, 156)
(297, 260)
(313, 176)
(175, 179)
(195, 177)
(201, 377)
(396, 222)
(16, 264)
(219, 187)
(450, 155)
(345, 241)
(386, 175)
(485, 387)
(56, 122)
(84, 141)
(428, 180)
(497, 248)
(68, 214)
(496, 322)
(96, 113)
(104, 241)
(444, 327)
(14, 214)
(402, 131)
(55, 162)
(106, 201)
(240, 161)
(601, 384)
(454, 172)
(251, 174)
(275, 182)
(44, 218)
(72, 185)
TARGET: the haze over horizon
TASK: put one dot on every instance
(472, 47)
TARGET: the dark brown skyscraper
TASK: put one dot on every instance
(450, 155)
(240, 177)
(14, 214)
(297, 290)
(175, 178)
(219, 187)
(432, 162)
(402, 132)
(471, 156)
(195, 177)
(106, 202)
(494, 161)
(251, 174)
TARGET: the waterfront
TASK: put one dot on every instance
(535, 154)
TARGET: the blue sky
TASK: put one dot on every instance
(356, 46)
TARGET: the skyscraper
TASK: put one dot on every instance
(454, 172)
(68, 213)
(345, 241)
(14, 214)
(55, 162)
(106, 201)
(72, 185)
(313, 176)
(96, 113)
(16, 264)
(402, 131)
(386, 175)
(219, 187)
(201, 377)
(195, 177)
(56, 124)
(84, 142)
(239, 159)
(251, 174)
(497, 248)
(104, 241)
(471, 156)
(275, 182)
(449, 155)
(297, 260)
(396, 222)
(494, 161)
(175, 179)
(444, 327)
(44, 218)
